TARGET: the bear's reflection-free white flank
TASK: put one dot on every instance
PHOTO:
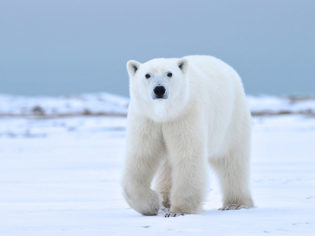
(204, 120)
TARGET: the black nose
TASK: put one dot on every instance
(159, 91)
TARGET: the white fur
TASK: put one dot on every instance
(204, 119)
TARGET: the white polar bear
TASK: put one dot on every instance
(183, 114)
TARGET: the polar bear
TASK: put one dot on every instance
(184, 114)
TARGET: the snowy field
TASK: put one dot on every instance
(60, 174)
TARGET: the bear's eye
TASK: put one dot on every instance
(147, 76)
(169, 74)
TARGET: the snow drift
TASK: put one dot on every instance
(104, 104)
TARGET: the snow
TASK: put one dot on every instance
(61, 176)
(99, 104)
(83, 104)
(271, 105)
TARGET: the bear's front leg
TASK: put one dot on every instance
(137, 192)
(187, 153)
(189, 183)
(144, 150)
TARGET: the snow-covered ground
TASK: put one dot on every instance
(61, 176)
(101, 104)
(96, 104)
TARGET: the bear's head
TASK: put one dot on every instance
(159, 88)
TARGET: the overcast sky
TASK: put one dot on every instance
(68, 47)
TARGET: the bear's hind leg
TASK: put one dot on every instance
(233, 173)
(163, 182)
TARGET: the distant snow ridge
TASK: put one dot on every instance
(104, 104)
(271, 105)
(98, 104)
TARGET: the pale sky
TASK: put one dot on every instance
(58, 47)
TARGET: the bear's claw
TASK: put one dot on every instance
(173, 214)
(163, 211)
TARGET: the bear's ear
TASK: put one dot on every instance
(182, 64)
(132, 67)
